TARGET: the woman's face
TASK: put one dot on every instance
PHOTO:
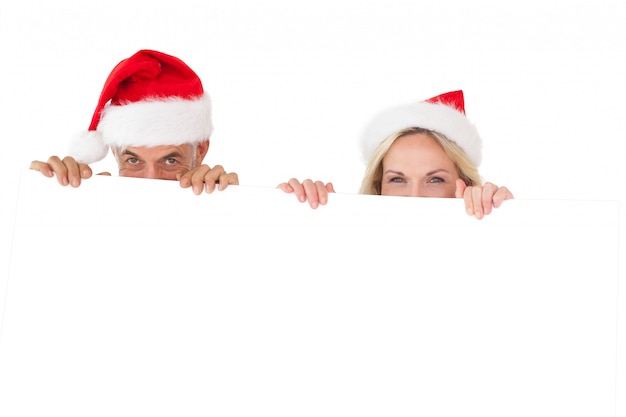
(416, 166)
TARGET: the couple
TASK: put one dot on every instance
(155, 117)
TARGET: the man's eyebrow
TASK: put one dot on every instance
(174, 154)
(127, 152)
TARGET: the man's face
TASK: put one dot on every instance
(159, 162)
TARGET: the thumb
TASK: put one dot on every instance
(285, 187)
(460, 188)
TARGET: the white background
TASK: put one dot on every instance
(293, 82)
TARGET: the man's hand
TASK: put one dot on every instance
(479, 200)
(67, 170)
(207, 178)
(315, 192)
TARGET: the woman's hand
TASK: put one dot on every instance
(480, 200)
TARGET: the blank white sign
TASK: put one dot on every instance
(136, 297)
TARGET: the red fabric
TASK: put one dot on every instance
(452, 99)
(145, 75)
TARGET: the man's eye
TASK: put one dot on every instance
(170, 161)
(132, 161)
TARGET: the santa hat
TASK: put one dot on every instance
(150, 99)
(444, 114)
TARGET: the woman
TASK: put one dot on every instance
(426, 149)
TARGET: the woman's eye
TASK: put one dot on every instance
(436, 179)
(396, 179)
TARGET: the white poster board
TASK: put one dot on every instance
(136, 297)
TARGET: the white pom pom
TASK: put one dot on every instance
(88, 147)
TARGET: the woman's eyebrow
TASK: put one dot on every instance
(391, 171)
(434, 171)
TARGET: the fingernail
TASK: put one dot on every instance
(196, 190)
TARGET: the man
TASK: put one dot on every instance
(156, 118)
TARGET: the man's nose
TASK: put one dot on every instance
(152, 172)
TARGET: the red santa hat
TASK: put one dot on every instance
(444, 114)
(150, 99)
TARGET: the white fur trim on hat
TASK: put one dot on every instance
(171, 121)
(432, 116)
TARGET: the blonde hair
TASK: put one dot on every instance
(372, 179)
